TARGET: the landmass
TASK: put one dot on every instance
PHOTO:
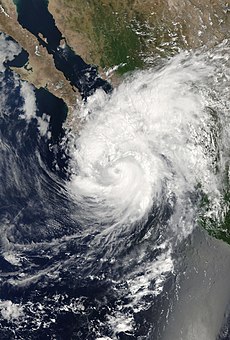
(134, 33)
(116, 35)
(40, 69)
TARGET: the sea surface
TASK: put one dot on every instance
(100, 234)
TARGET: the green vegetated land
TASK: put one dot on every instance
(217, 225)
(123, 33)
(128, 39)
(215, 215)
(121, 45)
(136, 32)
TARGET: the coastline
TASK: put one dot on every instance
(40, 70)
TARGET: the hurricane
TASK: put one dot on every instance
(91, 221)
(147, 146)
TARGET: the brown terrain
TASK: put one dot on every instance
(40, 71)
(113, 32)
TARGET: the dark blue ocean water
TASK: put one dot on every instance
(38, 217)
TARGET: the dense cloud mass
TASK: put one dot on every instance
(147, 144)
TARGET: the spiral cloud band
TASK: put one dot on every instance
(140, 148)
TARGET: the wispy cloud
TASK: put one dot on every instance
(8, 50)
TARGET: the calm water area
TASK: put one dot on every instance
(35, 17)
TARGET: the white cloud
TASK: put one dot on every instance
(10, 311)
(43, 124)
(8, 50)
(29, 107)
